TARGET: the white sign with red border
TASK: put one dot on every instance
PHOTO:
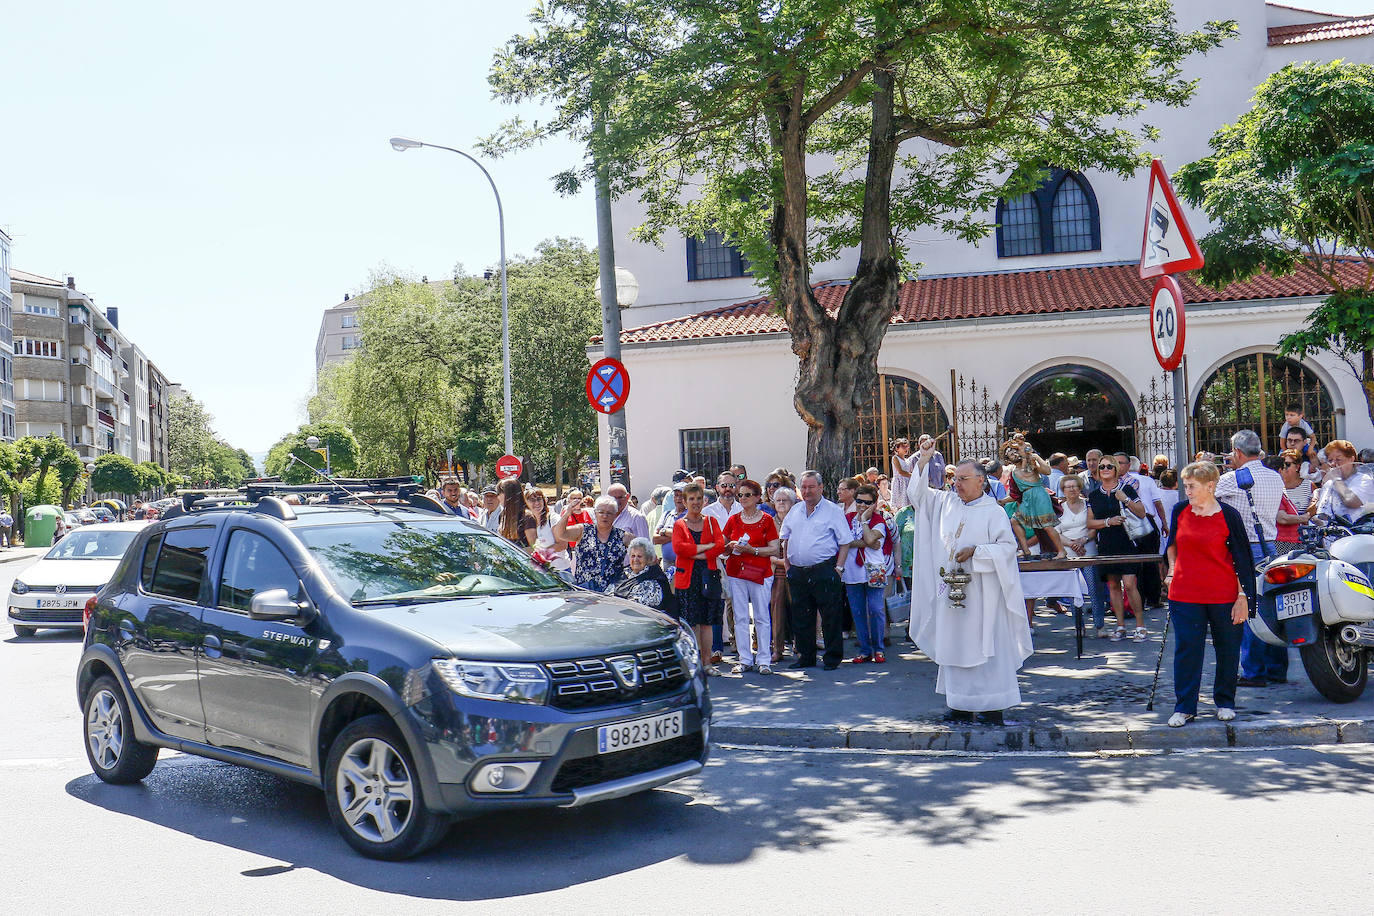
(1166, 322)
(1168, 246)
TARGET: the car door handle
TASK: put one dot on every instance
(211, 646)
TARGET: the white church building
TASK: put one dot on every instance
(1042, 326)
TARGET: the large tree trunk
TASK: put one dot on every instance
(839, 356)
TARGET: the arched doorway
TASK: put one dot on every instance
(897, 408)
(1230, 400)
(1071, 409)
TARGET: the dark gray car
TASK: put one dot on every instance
(414, 666)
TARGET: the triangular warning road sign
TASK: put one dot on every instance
(1168, 246)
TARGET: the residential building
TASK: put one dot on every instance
(339, 333)
(1041, 326)
(7, 418)
(80, 378)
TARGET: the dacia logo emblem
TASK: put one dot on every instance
(626, 671)
(61, 589)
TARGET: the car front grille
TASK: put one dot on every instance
(62, 615)
(589, 683)
(70, 589)
(581, 772)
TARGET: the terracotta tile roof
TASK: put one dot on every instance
(23, 276)
(1304, 32)
(1032, 292)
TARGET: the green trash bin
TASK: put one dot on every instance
(40, 525)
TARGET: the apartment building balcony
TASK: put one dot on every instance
(105, 417)
(104, 390)
(106, 348)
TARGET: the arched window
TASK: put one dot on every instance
(1071, 218)
(898, 408)
(1230, 401)
(1021, 227)
(1058, 217)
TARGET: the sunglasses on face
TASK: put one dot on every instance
(863, 502)
(1106, 467)
(773, 485)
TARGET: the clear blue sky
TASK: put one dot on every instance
(221, 173)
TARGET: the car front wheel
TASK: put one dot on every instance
(115, 754)
(374, 793)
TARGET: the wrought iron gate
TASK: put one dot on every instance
(1154, 420)
(977, 431)
(1231, 400)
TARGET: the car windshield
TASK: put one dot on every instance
(91, 544)
(412, 562)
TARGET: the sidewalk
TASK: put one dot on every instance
(15, 554)
(1096, 703)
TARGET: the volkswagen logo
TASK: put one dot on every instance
(61, 589)
(626, 670)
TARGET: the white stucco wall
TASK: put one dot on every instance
(747, 384)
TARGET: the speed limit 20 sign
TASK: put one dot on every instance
(1166, 322)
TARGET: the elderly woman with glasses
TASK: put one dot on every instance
(599, 557)
(1107, 508)
(751, 543)
(646, 583)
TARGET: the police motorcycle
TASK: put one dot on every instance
(1319, 599)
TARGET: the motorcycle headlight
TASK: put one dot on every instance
(512, 682)
(19, 588)
(686, 645)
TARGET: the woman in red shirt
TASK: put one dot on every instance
(698, 542)
(1211, 582)
(751, 538)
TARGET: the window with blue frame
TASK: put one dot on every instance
(712, 258)
(1059, 217)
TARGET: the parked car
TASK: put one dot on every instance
(53, 592)
(101, 514)
(85, 516)
(412, 665)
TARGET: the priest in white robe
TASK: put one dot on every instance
(979, 647)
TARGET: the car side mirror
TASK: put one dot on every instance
(277, 604)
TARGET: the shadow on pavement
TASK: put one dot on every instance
(746, 802)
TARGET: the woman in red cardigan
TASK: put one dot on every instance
(697, 542)
(1211, 582)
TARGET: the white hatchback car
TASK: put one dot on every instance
(53, 592)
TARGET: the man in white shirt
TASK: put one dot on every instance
(630, 519)
(815, 542)
(491, 510)
(1059, 465)
(1258, 505)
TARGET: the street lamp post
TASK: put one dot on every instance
(401, 144)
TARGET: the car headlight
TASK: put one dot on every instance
(512, 682)
(19, 588)
(686, 645)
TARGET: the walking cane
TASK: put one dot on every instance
(1149, 707)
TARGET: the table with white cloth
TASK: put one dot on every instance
(1058, 583)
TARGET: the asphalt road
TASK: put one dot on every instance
(760, 831)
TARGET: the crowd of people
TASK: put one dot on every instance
(764, 571)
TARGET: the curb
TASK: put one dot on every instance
(1052, 738)
(12, 554)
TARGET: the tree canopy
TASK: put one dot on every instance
(196, 454)
(1290, 186)
(337, 439)
(428, 375)
(803, 131)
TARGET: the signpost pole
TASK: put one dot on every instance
(1182, 449)
(617, 468)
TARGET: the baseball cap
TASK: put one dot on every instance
(680, 475)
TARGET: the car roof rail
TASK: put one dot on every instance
(277, 508)
(347, 487)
